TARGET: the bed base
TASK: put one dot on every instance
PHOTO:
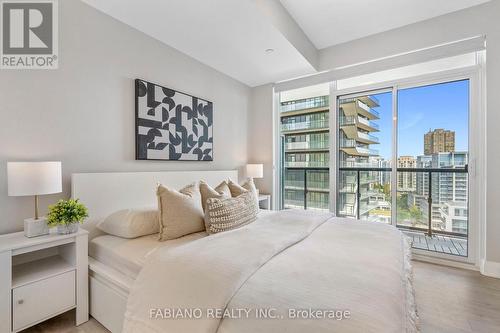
(109, 290)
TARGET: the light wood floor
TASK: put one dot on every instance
(448, 300)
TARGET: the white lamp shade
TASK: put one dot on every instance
(33, 178)
(255, 170)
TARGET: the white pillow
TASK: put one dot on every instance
(131, 223)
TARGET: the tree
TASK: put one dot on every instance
(415, 214)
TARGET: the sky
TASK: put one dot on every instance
(420, 109)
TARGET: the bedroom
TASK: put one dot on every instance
(312, 102)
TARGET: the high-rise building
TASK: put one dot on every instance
(356, 122)
(305, 127)
(439, 141)
(407, 181)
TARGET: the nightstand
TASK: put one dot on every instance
(265, 201)
(42, 277)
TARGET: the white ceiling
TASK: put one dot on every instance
(331, 22)
(232, 35)
(228, 35)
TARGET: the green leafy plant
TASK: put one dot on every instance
(66, 212)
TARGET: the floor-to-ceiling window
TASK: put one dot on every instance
(364, 156)
(305, 136)
(399, 151)
(433, 141)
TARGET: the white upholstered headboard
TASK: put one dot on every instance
(105, 193)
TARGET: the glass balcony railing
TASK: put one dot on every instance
(307, 164)
(347, 120)
(306, 188)
(415, 211)
(353, 120)
(369, 123)
(305, 145)
(313, 124)
(368, 137)
(308, 103)
(348, 143)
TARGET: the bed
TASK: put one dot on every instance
(287, 265)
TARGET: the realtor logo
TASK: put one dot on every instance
(29, 34)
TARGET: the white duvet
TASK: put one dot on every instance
(293, 271)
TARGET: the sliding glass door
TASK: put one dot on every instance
(433, 154)
(394, 153)
(402, 159)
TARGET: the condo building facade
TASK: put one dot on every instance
(305, 145)
(357, 122)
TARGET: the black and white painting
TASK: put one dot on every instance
(171, 125)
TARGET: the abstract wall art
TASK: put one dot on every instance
(171, 125)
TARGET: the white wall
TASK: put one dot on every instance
(83, 113)
(479, 20)
(260, 135)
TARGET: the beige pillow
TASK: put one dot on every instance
(249, 185)
(229, 213)
(180, 212)
(221, 191)
(131, 223)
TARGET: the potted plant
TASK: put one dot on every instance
(66, 215)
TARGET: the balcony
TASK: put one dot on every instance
(355, 107)
(306, 145)
(304, 104)
(359, 122)
(306, 164)
(367, 138)
(368, 125)
(350, 147)
(306, 125)
(424, 221)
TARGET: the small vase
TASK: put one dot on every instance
(64, 229)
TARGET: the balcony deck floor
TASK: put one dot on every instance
(438, 243)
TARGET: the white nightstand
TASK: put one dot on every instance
(265, 201)
(42, 277)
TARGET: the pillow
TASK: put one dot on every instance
(180, 212)
(249, 186)
(221, 191)
(131, 223)
(229, 213)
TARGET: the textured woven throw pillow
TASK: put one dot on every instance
(230, 213)
(221, 191)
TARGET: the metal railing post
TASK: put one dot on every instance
(429, 208)
(305, 188)
(358, 195)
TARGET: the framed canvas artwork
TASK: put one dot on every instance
(171, 125)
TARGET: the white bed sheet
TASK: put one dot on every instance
(128, 255)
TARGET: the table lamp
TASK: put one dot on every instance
(34, 179)
(255, 171)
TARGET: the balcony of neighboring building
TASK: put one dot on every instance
(357, 107)
(313, 104)
(306, 164)
(352, 132)
(305, 126)
(312, 145)
(359, 122)
(351, 147)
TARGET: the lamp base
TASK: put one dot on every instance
(34, 228)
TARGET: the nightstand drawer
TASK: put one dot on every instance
(40, 300)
